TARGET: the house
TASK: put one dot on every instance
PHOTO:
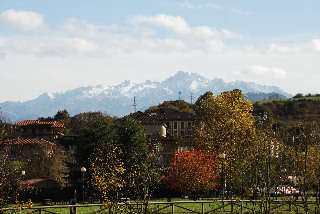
(19, 148)
(40, 183)
(162, 126)
(37, 129)
(152, 125)
(177, 122)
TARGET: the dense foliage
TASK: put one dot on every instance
(279, 145)
(10, 177)
(179, 105)
(192, 171)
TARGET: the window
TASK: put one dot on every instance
(168, 125)
(159, 160)
(13, 150)
(189, 124)
(175, 125)
(182, 125)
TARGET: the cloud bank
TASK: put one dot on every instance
(21, 20)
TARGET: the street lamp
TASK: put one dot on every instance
(222, 156)
(83, 170)
(23, 173)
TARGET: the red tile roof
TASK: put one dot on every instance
(33, 181)
(37, 122)
(25, 141)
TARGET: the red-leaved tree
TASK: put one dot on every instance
(193, 170)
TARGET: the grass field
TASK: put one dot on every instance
(187, 206)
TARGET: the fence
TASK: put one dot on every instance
(203, 207)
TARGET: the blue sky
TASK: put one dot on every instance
(54, 46)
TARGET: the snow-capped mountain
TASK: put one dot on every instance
(118, 100)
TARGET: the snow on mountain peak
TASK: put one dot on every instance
(94, 91)
(51, 96)
(117, 100)
(194, 86)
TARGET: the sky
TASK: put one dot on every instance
(57, 45)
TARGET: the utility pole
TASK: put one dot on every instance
(134, 104)
(191, 97)
(180, 95)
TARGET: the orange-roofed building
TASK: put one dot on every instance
(37, 129)
(24, 147)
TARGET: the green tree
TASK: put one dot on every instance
(94, 134)
(299, 95)
(81, 120)
(62, 115)
(179, 105)
(5, 127)
(133, 144)
(39, 162)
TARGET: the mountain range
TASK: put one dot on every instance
(118, 100)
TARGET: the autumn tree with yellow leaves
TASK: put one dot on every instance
(302, 155)
(226, 126)
(107, 170)
(225, 122)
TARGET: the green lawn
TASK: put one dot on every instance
(185, 206)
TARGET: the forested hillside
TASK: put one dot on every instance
(292, 110)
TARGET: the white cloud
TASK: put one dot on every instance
(174, 23)
(75, 37)
(284, 49)
(21, 20)
(239, 11)
(188, 5)
(182, 28)
(214, 45)
(205, 32)
(257, 71)
(82, 45)
(228, 34)
(213, 6)
(46, 46)
(3, 55)
(316, 44)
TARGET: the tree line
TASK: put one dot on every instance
(228, 150)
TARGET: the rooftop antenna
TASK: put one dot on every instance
(134, 104)
(180, 95)
(191, 97)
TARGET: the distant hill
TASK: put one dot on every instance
(287, 110)
(118, 100)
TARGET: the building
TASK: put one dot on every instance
(162, 127)
(152, 125)
(177, 122)
(21, 148)
(37, 129)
